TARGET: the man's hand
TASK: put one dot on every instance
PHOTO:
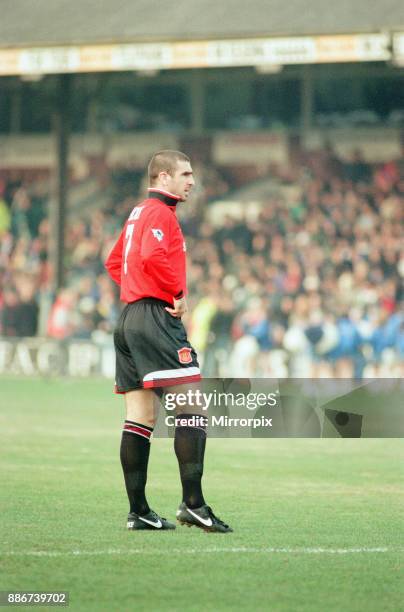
(180, 308)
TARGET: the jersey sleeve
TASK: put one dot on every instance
(156, 235)
(113, 263)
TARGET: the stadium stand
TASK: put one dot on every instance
(296, 263)
(310, 285)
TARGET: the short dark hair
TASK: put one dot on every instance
(164, 161)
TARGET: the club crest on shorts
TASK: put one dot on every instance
(184, 355)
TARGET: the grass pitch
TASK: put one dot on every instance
(318, 523)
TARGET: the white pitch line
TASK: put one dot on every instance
(198, 551)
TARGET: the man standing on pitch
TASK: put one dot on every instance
(152, 349)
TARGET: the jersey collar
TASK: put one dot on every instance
(164, 196)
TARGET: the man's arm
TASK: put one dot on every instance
(154, 249)
(113, 263)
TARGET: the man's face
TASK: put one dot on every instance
(181, 182)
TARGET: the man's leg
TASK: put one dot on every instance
(141, 414)
(189, 446)
(135, 446)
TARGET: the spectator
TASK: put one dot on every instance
(311, 286)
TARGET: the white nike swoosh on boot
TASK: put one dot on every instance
(158, 524)
(207, 522)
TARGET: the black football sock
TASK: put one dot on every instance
(135, 450)
(189, 445)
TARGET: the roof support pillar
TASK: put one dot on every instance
(59, 203)
(307, 102)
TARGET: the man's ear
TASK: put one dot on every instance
(163, 176)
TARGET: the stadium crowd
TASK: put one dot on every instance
(310, 286)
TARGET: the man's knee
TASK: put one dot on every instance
(140, 406)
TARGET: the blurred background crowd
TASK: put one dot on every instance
(302, 277)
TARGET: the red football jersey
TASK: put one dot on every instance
(148, 260)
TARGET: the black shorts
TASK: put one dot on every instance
(152, 349)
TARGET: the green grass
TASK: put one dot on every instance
(62, 496)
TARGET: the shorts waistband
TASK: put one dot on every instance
(150, 300)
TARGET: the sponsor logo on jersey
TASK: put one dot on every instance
(184, 355)
(157, 233)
